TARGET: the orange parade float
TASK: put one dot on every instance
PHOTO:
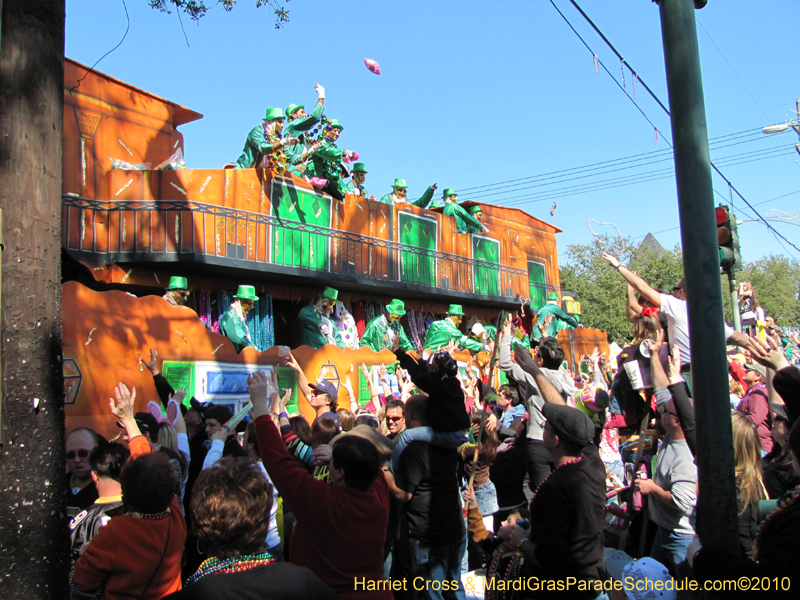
(128, 226)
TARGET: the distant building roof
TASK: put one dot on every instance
(651, 242)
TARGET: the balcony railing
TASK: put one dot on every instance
(127, 231)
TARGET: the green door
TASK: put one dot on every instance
(420, 233)
(295, 248)
(487, 278)
(536, 284)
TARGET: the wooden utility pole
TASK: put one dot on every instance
(34, 556)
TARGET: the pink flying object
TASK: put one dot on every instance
(373, 66)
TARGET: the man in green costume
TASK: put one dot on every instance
(477, 214)
(316, 327)
(561, 320)
(381, 331)
(299, 123)
(356, 184)
(399, 194)
(465, 223)
(233, 323)
(326, 163)
(177, 292)
(441, 332)
(265, 141)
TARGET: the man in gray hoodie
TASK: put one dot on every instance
(549, 357)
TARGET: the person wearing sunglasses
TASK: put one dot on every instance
(81, 490)
(395, 418)
(177, 292)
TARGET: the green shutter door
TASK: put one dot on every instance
(420, 233)
(487, 279)
(295, 248)
(536, 282)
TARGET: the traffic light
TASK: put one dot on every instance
(730, 258)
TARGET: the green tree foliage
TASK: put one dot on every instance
(196, 9)
(600, 289)
(602, 292)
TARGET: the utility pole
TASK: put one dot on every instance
(716, 501)
(34, 541)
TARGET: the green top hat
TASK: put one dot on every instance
(293, 108)
(455, 309)
(246, 292)
(274, 113)
(475, 209)
(334, 124)
(396, 307)
(401, 183)
(552, 296)
(359, 168)
(331, 293)
(448, 192)
(177, 283)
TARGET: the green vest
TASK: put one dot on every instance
(561, 321)
(465, 222)
(379, 334)
(255, 147)
(441, 332)
(353, 188)
(296, 129)
(233, 328)
(422, 202)
(317, 330)
(325, 162)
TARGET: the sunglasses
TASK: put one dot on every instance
(394, 419)
(81, 453)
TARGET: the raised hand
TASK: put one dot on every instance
(152, 364)
(123, 408)
(612, 260)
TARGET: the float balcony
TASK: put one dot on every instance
(285, 244)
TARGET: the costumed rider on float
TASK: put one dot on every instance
(441, 332)
(265, 145)
(356, 184)
(177, 292)
(398, 194)
(326, 167)
(465, 223)
(381, 332)
(560, 320)
(299, 123)
(317, 329)
(233, 323)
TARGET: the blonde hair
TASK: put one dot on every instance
(747, 461)
(167, 436)
(736, 388)
(645, 328)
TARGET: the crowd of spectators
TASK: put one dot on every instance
(584, 480)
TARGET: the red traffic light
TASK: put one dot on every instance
(722, 215)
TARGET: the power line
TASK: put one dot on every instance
(665, 153)
(661, 104)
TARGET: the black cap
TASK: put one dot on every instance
(569, 424)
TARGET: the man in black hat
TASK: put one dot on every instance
(566, 536)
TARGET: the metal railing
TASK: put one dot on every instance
(152, 230)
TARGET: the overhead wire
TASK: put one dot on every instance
(772, 230)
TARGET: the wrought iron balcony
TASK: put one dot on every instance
(150, 231)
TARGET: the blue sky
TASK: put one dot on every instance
(473, 95)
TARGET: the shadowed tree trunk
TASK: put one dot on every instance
(34, 559)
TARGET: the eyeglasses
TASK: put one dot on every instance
(394, 419)
(81, 453)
